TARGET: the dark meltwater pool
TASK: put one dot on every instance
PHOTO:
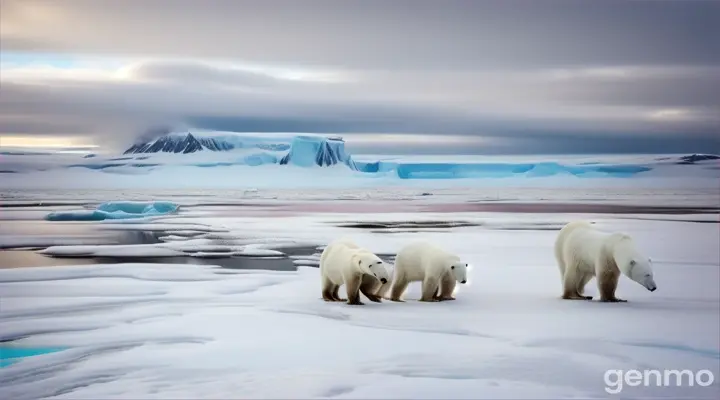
(21, 238)
(28, 258)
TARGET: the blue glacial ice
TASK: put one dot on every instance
(225, 149)
(498, 170)
(308, 151)
(251, 160)
(116, 210)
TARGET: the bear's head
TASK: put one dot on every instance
(459, 270)
(640, 270)
(634, 264)
(371, 264)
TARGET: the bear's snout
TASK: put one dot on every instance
(463, 281)
(383, 280)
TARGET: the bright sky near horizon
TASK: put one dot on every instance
(453, 76)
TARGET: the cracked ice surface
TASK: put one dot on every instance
(195, 331)
(615, 191)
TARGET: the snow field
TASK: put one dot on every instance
(190, 331)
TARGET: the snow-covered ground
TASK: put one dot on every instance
(198, 330)
(141, 331)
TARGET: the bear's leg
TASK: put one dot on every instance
(570, 283)
(352, 286)
(400, 284)
(369, 287)
(383, 290)
(436, 295)
(581, 285)
(447, 286)
(560, 260)
(607, 283)
(429, 289)
(439, 292)
(335, 295)
(327, 289)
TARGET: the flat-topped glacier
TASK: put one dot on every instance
(206, 157)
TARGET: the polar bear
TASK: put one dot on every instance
(344, 262)
(436, 268)
(582, 252)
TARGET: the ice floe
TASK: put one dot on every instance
(179, 330)
(116, 210)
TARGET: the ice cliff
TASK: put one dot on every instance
(225, 149)
(116, 210)
(307, 151)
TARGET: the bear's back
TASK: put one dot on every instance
(585, 242)
(422, 257)
(336, 259)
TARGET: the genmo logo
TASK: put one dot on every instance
(616, 379)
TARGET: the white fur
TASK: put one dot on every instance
(343, 260)
(422, 261)
(582, 252)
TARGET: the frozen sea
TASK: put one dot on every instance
(144, 325)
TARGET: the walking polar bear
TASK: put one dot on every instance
(345, 263)
(436, 268)
(582, 252)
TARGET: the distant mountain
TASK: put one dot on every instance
(695, 158)
(180, 143)
(303, 150)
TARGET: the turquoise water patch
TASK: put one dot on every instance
(11, 355)
(5, 363)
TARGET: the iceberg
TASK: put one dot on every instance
(225, 151)
(496, 170)
(310, 150)
(116, 210)
(307, 151)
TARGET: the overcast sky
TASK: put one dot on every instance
(444, 76)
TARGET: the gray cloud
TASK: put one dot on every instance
(119, 112)
(537, 76)
(376, 34)
(200, 74)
